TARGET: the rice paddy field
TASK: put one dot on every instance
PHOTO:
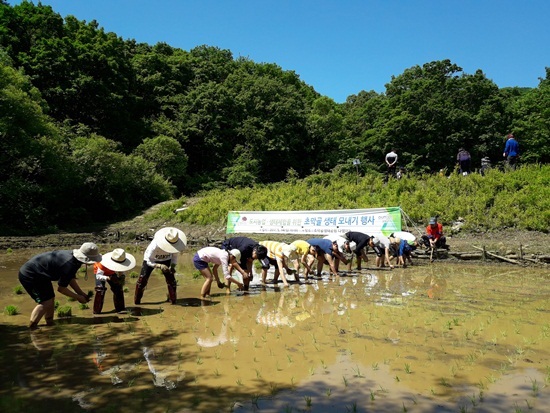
(439, 337)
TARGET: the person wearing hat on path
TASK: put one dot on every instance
(110, 270)
(217, 256)
(279, 254)
(434, 237)
(511, 151)
(37, 274)
(162, 253)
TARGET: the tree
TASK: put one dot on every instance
(167, 156)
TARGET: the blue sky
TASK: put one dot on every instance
(341, 47)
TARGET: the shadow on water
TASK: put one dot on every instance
(431, 338)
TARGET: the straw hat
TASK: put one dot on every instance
(118, 260)
(236, 253)
(87, 253)
(170, 239)
(289, 251)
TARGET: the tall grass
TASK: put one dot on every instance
(516, 199)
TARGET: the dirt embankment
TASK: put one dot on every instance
(140, 229)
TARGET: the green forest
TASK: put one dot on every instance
(95, 128)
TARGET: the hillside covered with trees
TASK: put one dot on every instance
(94, 127)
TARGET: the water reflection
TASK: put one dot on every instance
(436, 334)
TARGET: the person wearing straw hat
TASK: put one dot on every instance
(162, 253)
(219, 257)
(37, 274)
(278, 255)
(110, 270)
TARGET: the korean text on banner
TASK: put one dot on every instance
(372, 221)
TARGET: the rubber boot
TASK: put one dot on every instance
(172, 293)
(99, 299)
(140, 287)
(118, 299)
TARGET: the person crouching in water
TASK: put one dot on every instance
(37, 275)
(162, 253)
(217, 256)
(110, 270)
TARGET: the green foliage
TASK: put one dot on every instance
(11, 310)
(517, 199)
(95, 128)
(166, 156)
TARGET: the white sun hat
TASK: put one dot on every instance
(88, 253)
(170, 239)
(118, 260)
(289, 251)
(236, 253)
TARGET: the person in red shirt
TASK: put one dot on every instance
(434, 237)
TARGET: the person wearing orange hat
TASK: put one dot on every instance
(162, 253)
(110, 270)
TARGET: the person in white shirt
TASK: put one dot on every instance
(219, 257)
(381, 246)
(162, 253)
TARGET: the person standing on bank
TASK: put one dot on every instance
(391, 163)
(511, 151)
(162, 253)
(110, 270)
(37, 274)
(464, 160)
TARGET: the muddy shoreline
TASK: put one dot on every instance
(529, 244)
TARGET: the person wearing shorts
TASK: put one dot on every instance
(37, 274)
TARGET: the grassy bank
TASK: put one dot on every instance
(500, 200)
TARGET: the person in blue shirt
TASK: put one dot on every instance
(511, 151)
(326, 250)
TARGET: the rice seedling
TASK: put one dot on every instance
(408, 368)
(83, 306)
(534, 387)
(65, 311)
(11, 310)
(18, 289)
(372, 396)
(328, 391)
(308, 401)
(352, 408)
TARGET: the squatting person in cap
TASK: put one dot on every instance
(110, 270)
(37, 274)
(162, 253)
(219, 257)
(434, 237)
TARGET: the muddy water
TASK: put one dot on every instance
(434, 337)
